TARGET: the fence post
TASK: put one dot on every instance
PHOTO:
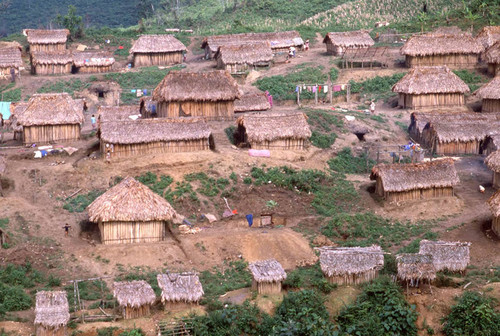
(316, 94)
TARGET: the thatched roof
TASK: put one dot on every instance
(441, 44)
(47, 36)
(180, 287)
(130, 201)
(251, 53)
(415, 266)
(350, 39)
(493, 161)
(492, 54)
(430, 79)
(16, 109)
(267, 271)
(117, 113)
(11, 45)
(451, 256)
(490, 90)
(196, 86)
(273, 126)
(252, 102)
(52, 309)
(104, 86)
(3, 165)
(494, 203)
(338, 261)
(275, 39)
(10, 57)
(489, 35)
(51, 109)
(92, 58)
(449, 30)
(59, 57)
(410, 176)
(157, 44)
(133, 293)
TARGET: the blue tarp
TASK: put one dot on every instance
(5, 110)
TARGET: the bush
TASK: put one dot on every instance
(81, 202)
(334, 74)
(346, 163)
(323, 140)
(308, 277)
(470, 78)
(13, 298)
(230, 134)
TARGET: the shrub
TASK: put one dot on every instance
(13, 298)
(80, 202)
(322, 140)
(230, 134)
(346, 163)
(334, 74)
(308, 277)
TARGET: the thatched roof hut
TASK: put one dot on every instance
(494, 204)
(351, 265)
(267, 276)
(490, 94)
(196, 94)
(11, 45)
(492, 57)
(130, 212)
(430, 86)
(136, 297)
(273, 130)
(415, 267)
(50, 63)
(243, 57)
(451, 256)
(250, 102)
(47, 39)
(178, 289)
(162, 49)
(488, 36)
(10, 58)
(117, 113)
(92, 61)
(338, 42)
(51, 313)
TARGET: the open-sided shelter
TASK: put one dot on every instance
(240, 58)
(51, 63)
(351, 265)
(273, 130)
(414, 268)
(267, 276)
(48, 40)
(493, 162)
(488, 36)
(338, 42)
(196, 94)
(412, 181)
(492, 58)
(130, 212)
(134, 297)
(252, 102)
(494, 203)
(163, 49)
(92, 62)
(51, 313)
(430, 86)
(450, 256)
(490, 95)
(10, 58)
(179, 290)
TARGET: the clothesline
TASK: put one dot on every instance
(325, 88)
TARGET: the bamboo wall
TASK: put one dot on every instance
(353, 279)
(5, 71)
(494, 68)
(457, 147)
(132, 232)
(132, 313)
(219, 110)
(412, 101)
(179, 305)
(495, 226)
(150, 59)
(240, 67)
(128, 150)
(43, 331)
(491, 105)
(284, 144)
(496, 180)
(50, 133)
(93, 69)
(267, 287)
(47, 47)
(51, 69)
(418, 194)
(450, 60)
(333, 49)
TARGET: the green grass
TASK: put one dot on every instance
(10, 95)
(80, 202)
(162, 185)
(142, 273)
(379, 87)
(69, 86)
(472, 79)
(310, 277)
(325, 126)
(347, 163)
(321, 140)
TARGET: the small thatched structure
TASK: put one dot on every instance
(492, 57)
(351, 265)
(180, 290)
(414, 268)
(92, 62)
(51, 63)
(338, 42)
(267, 276)
(197, 94)
(135, 298)
(51, 313)
(494, 203)
(452, 50)
(490, 95)
(130, 212)
(450, 256)
(148, 107)
(430, 86)
(47, 40)
(493, 162)
(412, 181)
(10, 58)
(488, 36)
(51, 117)
(251, 102)
(104, 93)
(243, 57)
(163, 49)
(273, 130)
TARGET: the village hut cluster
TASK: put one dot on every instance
(337, 43)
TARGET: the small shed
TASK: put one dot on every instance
(288, 131)
(493, 162)
(492, 58)
(10, 58)
(148, 107)
(494, 203)
(51, 313)
(338, 42)
(244, 57)
(430, 87)
(51, 117)
(252, 102)
(351, 265)
(413, 181)
(490, 95)
(130, 212)
(488, 36)
(267, 276)
(51, 63)
(163, 49)
(415, 268)
(452, 50)
(103, 93)
(210, 95)
(134, 297)
(48, 40)
(180, 290)
(450, 256)
(92, 62)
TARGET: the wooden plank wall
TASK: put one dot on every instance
(94, 69)
(457, 147)
(491, 105)
(267, 287)
(495, 225)
(496, 180)
(50, 133)
(143, 59)
(430, 100)
(131, 313)
(218, 110)
(132, 232)
(51, 69)
(42, 331)
(417, 194)
(283, 144)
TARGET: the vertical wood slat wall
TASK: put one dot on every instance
(44, 331)
(456, 147)
(450, 60)
(414, 101)
(132, 232)
(149, 59)
(51, 69)
(131, 313)
(50, 133)
(286, 144)
(490, 105)
(353, 279)
(47, 47)
(266, 287)
(495, 225)
(128, 150)
(218, 110)
(94, 69)
(496, 180)
(417, 194)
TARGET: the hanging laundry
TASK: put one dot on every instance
(133, 91)
(314, 89)
(337, 88)
(139, 93)
(249, 219)
(319, 89)
(343, 87)
(5, 110)
(296, 89)
(145, 92)
(300, 89)
(304, 87)
(325, 88)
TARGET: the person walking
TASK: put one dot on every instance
(93, 121)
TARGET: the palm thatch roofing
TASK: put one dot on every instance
(52, 309)
(51, 109)
(430, 79)
(117, 113)
(16, 109)
(196, 86)
(273, 126)
(490, 90)
(451, 256)
(10, 57)
(449, 30)
(350, 39)
(47, 36)
(492, 55)
(92, 58)
(133, 293)
(277, 40)
(154, 130)
(410, 176)
(415, 266)
(252, 102)
(494, 203)
(56, 57)
(267, 271)
(489, 35)
(11, 45)
(339, 261)
(3, 165)
(157, 44)
(441, 44)
(493, 161)
(250, 53)
(130, 201)
(180, 287)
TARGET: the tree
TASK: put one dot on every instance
(72, 22)
(145, 9)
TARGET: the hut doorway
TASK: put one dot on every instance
(211, 142)
(100, 94)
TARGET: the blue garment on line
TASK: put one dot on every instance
(249, 219)
(5, 110)
(44, 153)
(133, 91)
(145, 92)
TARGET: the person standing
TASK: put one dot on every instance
(93, 121)
(12, 75)
(372, 107)
(66, 228)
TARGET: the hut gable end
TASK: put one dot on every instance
(430, 80)
(267, 271)
(134, 293)
(180, 287)
(51, 109)
(52, 309)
